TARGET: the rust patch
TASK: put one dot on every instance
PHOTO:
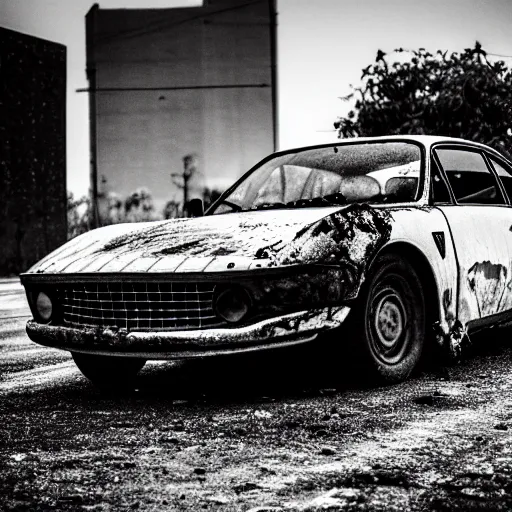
(348, 238)
(177, 249)
(449, 315)
(488, 282)
(211, 236)
(181, 240)
(271, 331)
(351, 235)
(454, 342)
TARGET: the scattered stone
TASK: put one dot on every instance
(314, 427)
(432, 399)
(262, 414)
(171, 440)
(247, 486)
(152, 449)
(71, 498)
(264, 508)
(125, 465)
(335, 499)
(267, 470)
(218, 500)
(327, 450)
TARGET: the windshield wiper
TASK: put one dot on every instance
(336, 199)
(269, 206)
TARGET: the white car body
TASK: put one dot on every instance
(463, 252)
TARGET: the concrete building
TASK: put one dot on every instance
(167, 83)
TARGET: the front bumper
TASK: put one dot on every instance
(274, 332)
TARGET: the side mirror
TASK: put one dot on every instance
(195, 208)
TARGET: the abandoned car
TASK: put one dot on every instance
(386, 244)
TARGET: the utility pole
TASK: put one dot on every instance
(181, 180)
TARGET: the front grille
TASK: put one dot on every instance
(138, 306)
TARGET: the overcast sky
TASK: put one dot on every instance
(322, 47)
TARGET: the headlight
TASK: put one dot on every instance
(232, 304)
(44, 307)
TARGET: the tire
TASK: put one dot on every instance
(388, 326)
(108, 372)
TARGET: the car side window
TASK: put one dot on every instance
(440, 192)
(470, 179)
(505, 175)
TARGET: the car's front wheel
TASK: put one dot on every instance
(389, 325)
(108, 372)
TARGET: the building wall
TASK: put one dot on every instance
(171, 82)
(32, 149)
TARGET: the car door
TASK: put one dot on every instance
(480, 220)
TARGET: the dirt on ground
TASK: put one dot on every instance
(276, 432)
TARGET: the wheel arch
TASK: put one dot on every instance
(417, 259)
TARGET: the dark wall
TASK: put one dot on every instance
(32, 149)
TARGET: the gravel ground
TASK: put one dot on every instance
(267, 433)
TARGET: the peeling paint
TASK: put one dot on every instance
(448, 306)
(454, 341)
(351, 235)
(222, 237)
(488, 282)
(347, 235)
(348, 238)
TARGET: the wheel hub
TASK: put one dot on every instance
(389, 320)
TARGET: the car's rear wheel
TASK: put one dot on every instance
(389, 325)
(108, 372)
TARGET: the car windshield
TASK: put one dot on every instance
(384, 172)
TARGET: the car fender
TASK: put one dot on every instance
(425, 231)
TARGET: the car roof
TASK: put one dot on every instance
(425, 140)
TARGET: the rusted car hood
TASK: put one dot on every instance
(236, 241)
